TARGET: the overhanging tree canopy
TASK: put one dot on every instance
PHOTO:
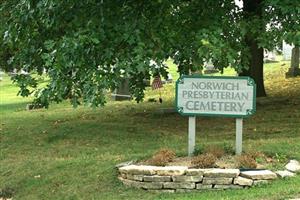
(86, 47)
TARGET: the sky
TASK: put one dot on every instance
(239, 3)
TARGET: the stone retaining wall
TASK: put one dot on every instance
(182, 179)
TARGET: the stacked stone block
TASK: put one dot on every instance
(182, 179)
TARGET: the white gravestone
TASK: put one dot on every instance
(286, 51)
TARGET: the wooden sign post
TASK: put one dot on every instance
(215, 96)
(238, 136)
(192, 135)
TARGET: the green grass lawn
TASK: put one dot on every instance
(66, 153)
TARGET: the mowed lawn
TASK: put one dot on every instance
(66, 153)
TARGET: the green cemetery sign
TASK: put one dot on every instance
(215, 96)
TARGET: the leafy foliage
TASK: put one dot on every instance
(87, 47)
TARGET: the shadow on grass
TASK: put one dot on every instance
(13, 107)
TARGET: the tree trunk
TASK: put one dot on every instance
(256, 65)
(294, 69)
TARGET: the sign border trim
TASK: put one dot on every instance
(180, 80)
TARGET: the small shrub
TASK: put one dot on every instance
(260, 160)
(228, 148)
(162, 157)
(255, 154)
(259, 157)
(204, 160)
(280, 157)
(217, 151)
(198, 150)
(247, 161)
